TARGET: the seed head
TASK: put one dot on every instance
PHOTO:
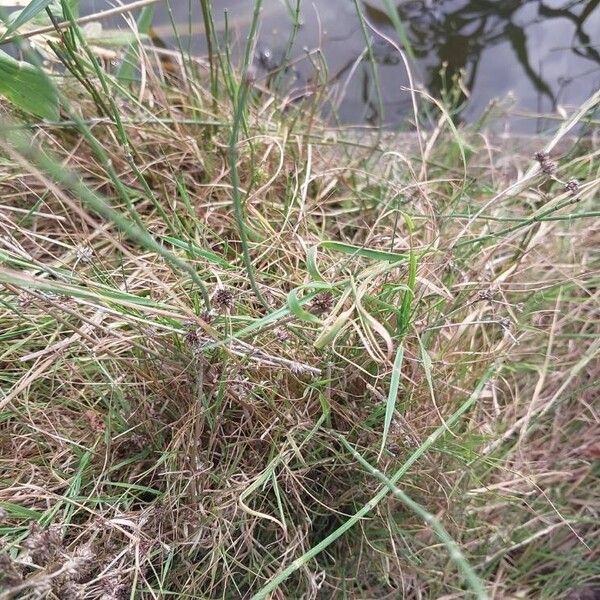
(43, 544)
(72, 591)
(9, 574)
(321, 303)
(297, 368)
(485, 295)
(223, 300)
(24, 300)
(548, 167)
(115, 589)
(79, 564)
(207, 317)
(191, 336)
(572, 186)
(84, 254)
(283, 335)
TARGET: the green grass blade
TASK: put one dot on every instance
(27, 87)
(390, 405)
(27, 14)
(381, 255)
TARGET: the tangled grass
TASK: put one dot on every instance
(246, 355)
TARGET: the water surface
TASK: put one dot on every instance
(545, 54)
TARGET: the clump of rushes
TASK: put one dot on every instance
(211, 465)
(322, 303)
(547, 165)
(223, 300)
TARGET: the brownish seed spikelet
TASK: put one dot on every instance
(322, 303)
(43, 544)
(223, 300)
(9, 572)
(572, 186)
(547, 165)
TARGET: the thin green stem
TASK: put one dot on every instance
(233, 155)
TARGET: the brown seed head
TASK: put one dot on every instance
(43, 544)
(485, 295)
(191, 336)
(223, 300)
(9, 574)
(572, 186)
(548, 167)
(321, 303)
(207, 317)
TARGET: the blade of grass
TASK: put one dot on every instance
(233, 155)
(392, 13)
(409, 294)
(144, 23)
(390, 405)
(373, 64)
(363, 252)
(29, 12)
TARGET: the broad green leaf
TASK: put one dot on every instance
(27, 87)
(27, 14)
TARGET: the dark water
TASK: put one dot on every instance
(546, 54)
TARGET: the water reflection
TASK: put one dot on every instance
(448, 38)
(546, 51)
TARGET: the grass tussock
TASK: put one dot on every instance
(245, 355)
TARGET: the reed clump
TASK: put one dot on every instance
(244, 354)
